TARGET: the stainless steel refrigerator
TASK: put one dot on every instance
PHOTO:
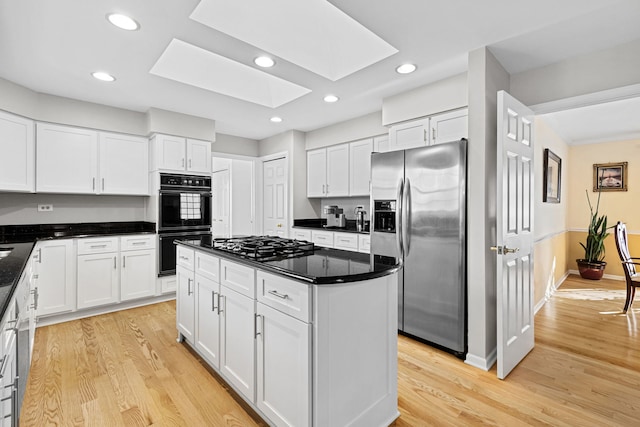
(419, 215)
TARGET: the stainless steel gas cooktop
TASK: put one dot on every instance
(264, 248)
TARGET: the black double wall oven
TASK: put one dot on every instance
(184, 213)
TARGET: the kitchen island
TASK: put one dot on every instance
(307, 339)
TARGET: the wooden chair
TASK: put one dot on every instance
(628, 263)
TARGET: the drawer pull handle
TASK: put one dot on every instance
(138, 243)
(278, 294)
(98, 246)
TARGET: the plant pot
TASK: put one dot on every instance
(591, 270)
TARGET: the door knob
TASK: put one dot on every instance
(504, 250)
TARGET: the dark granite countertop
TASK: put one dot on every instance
(321, 224)
(323, 267)
(22, 239)
(11, 267)
(33, 232)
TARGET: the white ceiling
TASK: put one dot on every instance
(53, 46)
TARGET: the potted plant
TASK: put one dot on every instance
(592, 265)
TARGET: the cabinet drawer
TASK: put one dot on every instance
(208, 266)
(322, 238)
(97, 245)
(168, 284)
(347, 241)
(132, 243)
(185, 257)
(301, 234)
(285, 295)
(364, 243)
(238, 277)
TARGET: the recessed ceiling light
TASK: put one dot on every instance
(105, 77)
(406, 68)
(123, 21)
(331, 98)
(264, 62)
(276, 119)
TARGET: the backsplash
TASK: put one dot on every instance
(348, 204)
(20, 208)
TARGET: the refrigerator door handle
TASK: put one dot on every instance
(406, 218)
(399, 212)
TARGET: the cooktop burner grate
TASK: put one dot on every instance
(264, 248)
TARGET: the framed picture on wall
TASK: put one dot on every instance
(551, 180)
(610, 177)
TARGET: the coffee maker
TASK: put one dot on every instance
(335, 216)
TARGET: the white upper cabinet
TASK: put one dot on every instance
(124, 161)
(338, 170)
(17, 154)
(449, 126)
(360, 167)
(316, 173)
(381, 143)
(328, 171)
(67, 160)
(198, 156)
(409, 135)
(84, 161)
(176, 154)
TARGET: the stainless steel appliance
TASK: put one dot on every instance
(335, 216)
(360, 213)
(184, 213)
(419, 214)
(263, 248)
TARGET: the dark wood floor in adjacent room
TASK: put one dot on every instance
(125, 368)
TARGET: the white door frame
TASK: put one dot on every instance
(259, 170)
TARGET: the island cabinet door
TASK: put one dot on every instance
(237, 341)
(208, 319)
(185, 303)
(283, 367)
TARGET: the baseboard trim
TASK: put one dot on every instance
(604, 276)
(549, 294)
(480, 362)
(95, 311)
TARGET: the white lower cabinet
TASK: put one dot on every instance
(345, 241)
(208, 319)
(137, 275)
(237, 340)
(185, 303)
(97, 279)
(55, 272)
(283, 367)
(322, 238)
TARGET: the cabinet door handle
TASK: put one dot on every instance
(327, 189)
(34, 291)
(182, 162)
(93, 185)
(224, 298)
(40, 256)
(124, 263)
(278, 294)
(115, 260)
(255, 324)
(189, 292)
(213, 302)
(433, 135)
(102, 184)
(189, 162)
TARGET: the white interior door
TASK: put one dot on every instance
(220, 203)
(275, 209)
(514, 233)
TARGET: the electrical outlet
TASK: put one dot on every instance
(45, 208)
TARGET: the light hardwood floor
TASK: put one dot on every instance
(126, 369)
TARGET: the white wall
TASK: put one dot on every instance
(16, 208)
(172, 123)
(444, 95)
(486, 78)
(584, 74)
(235, 145)
(347, 131)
